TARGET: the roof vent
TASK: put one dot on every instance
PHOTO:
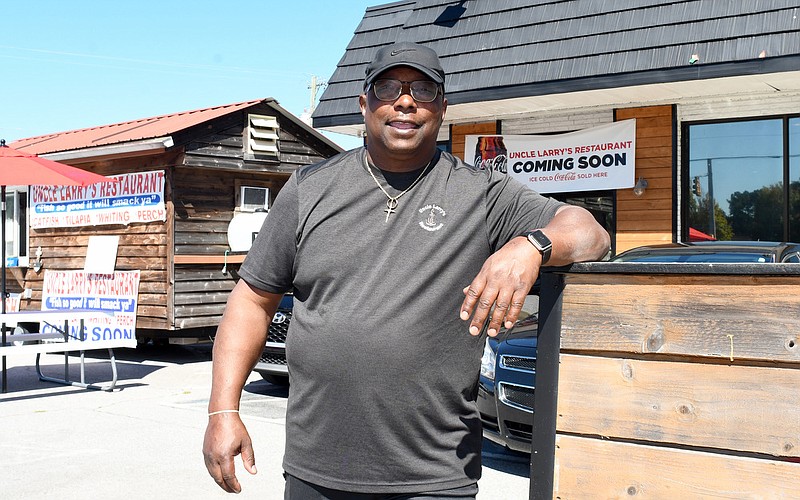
(262, 136)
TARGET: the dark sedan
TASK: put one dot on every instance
(716, 252)
(505, 388)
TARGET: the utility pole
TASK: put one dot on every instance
(712, 216)
(313, 87)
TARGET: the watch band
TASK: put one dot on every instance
(541, 242)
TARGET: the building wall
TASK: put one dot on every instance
(141, 246)
(648, 219)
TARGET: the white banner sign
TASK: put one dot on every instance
(113, 296)
(135, 197)
(593, 159)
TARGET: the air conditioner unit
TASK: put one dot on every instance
(253, 198)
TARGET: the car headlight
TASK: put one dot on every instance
(487, 361)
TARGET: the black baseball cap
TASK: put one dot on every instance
(410, 54)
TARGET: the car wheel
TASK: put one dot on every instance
(281, 380)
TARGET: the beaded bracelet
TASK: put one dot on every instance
(222, 411)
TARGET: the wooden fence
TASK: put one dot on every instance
(668, 381)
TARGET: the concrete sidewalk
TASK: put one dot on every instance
(144, 439)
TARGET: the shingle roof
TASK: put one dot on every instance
(135, 130)
(513, 48)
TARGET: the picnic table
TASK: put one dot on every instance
(62, 339)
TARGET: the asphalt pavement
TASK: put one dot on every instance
(143, 439)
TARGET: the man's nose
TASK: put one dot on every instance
(405, 98)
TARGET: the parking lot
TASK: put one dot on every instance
(143, 440)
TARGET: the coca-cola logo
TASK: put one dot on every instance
(498, 163)
(568, 176)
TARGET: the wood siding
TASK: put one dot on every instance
(677, 386)
(204, 206)
(648, 219)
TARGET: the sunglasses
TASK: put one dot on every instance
(421, 90)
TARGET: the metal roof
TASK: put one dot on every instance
(130, 131)
(507, 49)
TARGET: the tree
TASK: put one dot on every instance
(698, 218)
(758, 215)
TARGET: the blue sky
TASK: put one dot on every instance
(67, 65)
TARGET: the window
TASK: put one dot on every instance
(16, 237)
(742, 180)
(262, 134)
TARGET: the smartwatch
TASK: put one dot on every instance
(542, 243)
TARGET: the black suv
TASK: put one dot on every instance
(272, 363)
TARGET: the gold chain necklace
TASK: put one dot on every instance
(391, 202)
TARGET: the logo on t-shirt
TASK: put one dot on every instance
(432, 217)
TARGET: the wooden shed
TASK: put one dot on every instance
(668, 381)
(213, 163)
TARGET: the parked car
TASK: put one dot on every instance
(715, 252)
(508, 367)
(506, 385)
(272, 363)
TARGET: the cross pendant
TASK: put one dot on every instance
(391, 205)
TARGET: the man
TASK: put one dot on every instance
(400, 257)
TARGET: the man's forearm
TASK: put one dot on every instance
(239, 341)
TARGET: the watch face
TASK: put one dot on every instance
(541, 239)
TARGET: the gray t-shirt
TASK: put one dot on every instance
(383, 372)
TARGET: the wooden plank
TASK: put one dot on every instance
(591, 468)
(645, 203)
(196, 322)
(690, 404)
(625, 196)
(690, 319)
(204, 239)
(664, 226)
(661, 130)
(652, 214)
(659, 161)
(652, 111)
(152, 250)
(625, 240)
(202, 298)
(486, 128)
(193, 311)
(207, 273)
(203, 286)
(681, 279)
(653, 152)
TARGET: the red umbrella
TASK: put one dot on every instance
(695, 235)
(24, 169)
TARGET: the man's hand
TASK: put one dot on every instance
(503, 283)
(508, 275)
(226, 437)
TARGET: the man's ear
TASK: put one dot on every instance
(362, 103)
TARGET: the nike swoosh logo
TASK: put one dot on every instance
(396, 52)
